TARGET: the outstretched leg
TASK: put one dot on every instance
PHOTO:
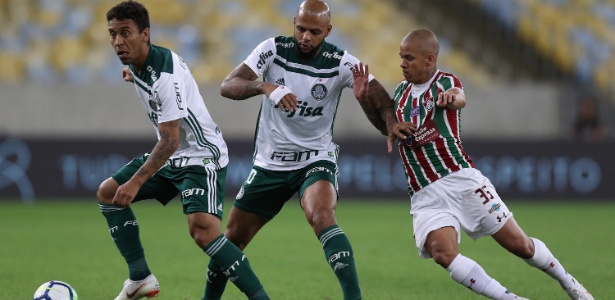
(535, 253)
(441, 244)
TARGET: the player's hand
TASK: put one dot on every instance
(399, 131)
(127, 75)
(454, 98)
(288, 103)
(360, 76)
(126, 193)
(283, 97)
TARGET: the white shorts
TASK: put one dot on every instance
(465, 199)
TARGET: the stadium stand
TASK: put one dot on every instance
(65, 41)
(575, 34)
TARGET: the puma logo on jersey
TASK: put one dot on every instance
(305, 110)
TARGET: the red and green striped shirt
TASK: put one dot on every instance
(436, 150)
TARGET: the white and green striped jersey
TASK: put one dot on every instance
(435, 149)
(168, 92)
(292, 140)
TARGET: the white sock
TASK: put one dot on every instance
(471, 275)
(545, 261)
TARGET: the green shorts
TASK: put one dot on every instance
(201, 188)
(265, 192)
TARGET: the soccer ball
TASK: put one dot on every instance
(55, 290)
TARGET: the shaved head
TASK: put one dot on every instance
(418, 51)
(426, 41)
(315, 8)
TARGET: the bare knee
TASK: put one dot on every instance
(106, 191)
(320, 219)
(242, 226)
(444, 257)
(513, 239)
(441, 244)
(204, 228)
(523, 248)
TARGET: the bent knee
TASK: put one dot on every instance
(106, 191)
(444, 258)
(524, 249)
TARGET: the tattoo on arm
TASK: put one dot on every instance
(241, 84)
(166, 146)
(379, 110)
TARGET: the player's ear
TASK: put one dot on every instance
(145, 35)
(328, 30)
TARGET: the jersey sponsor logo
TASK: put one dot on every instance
(236, 264)
(305, 110)
(415, 111)
(318, 169)
(331, 55)
(495, 207)
(285, 45)
(178, 97)
(131, 222)
(338, 255)
(193, 191)
(152, 72)
(293, 156)
(319, 91)
(262, 57)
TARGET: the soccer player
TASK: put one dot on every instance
(303, 80)
(189, 159)
(447, 193)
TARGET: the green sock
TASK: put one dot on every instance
(340, 257)
(235, 265)
(216, 281)
(124, 231)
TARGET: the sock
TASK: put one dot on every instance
(340, 257)
(216, 282)
(124, 231)
(545, 261)
(235, 265)
(471, 275)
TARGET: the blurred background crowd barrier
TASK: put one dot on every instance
(526, 65)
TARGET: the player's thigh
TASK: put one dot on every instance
(157, 187)
(264, 192)
(431, 212)
(479, 208)
(317, 172)
(202, 189)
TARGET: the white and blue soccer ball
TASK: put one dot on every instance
(55, 290)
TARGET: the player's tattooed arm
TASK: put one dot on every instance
(241, 84)
(379, 109)
(165, 147)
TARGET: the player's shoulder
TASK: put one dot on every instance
(448, 78)
(159, 60)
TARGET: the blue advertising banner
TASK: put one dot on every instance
(39, 169)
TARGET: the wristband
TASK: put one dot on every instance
(279, 93)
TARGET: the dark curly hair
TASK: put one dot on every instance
(130, 10)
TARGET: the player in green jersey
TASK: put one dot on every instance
(448, 194)
(304, 76)
(189, 159)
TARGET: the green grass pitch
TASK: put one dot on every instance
(69, 241)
